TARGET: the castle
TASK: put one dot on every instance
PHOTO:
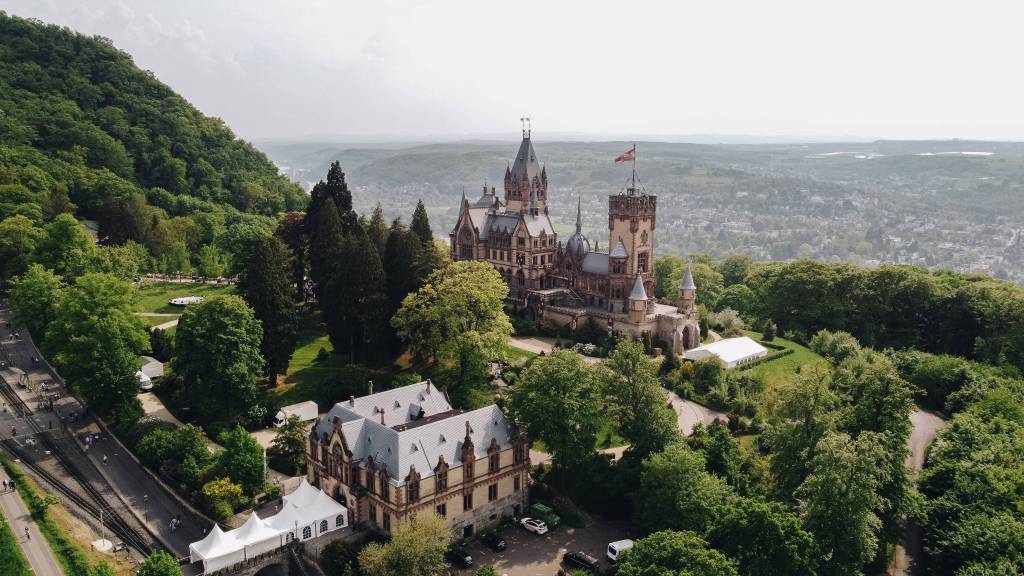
(566, 284)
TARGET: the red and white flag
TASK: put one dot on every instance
(627, 156)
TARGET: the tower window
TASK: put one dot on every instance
(641, 262)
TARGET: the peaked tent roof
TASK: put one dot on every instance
(638, 292)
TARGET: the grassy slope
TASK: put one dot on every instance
(11, 557)
(781, 370)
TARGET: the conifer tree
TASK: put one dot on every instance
(421, 224)
(326, 251)
(361, 306)
(265, 284)
(377, 229)
(290, 231)
(402, 256)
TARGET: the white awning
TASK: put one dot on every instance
(305, 508)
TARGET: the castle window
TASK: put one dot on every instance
(467, 501)
(515, 484)
(641, 262)
(442, 510)
(442, 480)
(494, 463)
(387, 522)
(413, 491)
(492, 492)
(355, 475)
(520, 242)
(617, 267)
(385, 487)
(467, 470)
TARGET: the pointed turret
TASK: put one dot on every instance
(638, 301)
(687, 292)
(579, 218)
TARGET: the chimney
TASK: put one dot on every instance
(428, 386)
(382, 416)
(370, 386)
(351, 400)
(468, 429)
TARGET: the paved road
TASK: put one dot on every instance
(129, 485)
(40, 557)
(689, 413)
(925, 426)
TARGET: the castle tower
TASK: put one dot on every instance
(637, 301)
(631, 221)
(687, 293)
(526, 181)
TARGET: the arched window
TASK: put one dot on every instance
(339, 521)
(290, 537)
(323, 526)
(307, 533)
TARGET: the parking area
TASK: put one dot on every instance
(528, 554)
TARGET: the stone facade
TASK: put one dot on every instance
(560, 284)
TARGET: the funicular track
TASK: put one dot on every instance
(98, 507)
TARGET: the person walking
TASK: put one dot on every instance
(27, 535)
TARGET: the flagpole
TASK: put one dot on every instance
(634, 168)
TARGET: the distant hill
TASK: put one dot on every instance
(79, 121)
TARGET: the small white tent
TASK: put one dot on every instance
(305, 513)
(731, 352)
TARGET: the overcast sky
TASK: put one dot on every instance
(418, 68)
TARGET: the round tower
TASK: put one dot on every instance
(687, 293)
(637, 301)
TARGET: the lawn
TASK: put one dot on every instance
(153, 297)
(11, 557)
(518, 355)
(781, 370)
(151, 321)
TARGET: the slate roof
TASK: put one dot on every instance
(638, 292)
(595, 263)
(619, 251)
(687, 282)
(526, 162)
(420, 444)
(398, 405)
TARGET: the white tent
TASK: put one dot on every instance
(305, 513)
(731, 351)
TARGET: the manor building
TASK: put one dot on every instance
(565, 284)
(392, 455)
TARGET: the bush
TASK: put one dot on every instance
(337, 556)
(834, 346)
(523, 326)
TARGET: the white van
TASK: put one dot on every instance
(615, 549)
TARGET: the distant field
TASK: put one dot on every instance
(153, 297)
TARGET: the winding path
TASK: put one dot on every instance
(925, 426)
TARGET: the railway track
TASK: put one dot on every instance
(98, 508)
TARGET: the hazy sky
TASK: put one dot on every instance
(386, 68)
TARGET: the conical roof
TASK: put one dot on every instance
(638, 292)
(526, 166)
(687, 282)
(619, 251)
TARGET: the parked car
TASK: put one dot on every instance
(581, 560)
(615, 549)
(534, 525)
(494, 541)
(458, 556)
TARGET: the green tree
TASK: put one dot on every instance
(636, 400)
(403, 258)
(289, 445)
(457, 318)
(668, 271)
(18, 240)
(217, 353)
(838, 500)
(36, 296)
(421, 224)
(290, 231)
(265, 285)
(221, 496)
(808, 406)
(377, 229)
(65, 248)
(835, 346)
(96, 341)
(735, 269)
(242, 460)
(212, 262)
(127, 261)
(486, 571)
(160, 563)
(671, 553)
(676, 492)
(720, 449)
(765, 539)
(176, 261)
(416, 549)
(360, 325)
(556, 398)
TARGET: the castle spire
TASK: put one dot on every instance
(579, 223)
(687, 281)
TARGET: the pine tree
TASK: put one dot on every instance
(290, 231)
(265, 284)
(402, 256)
(362, 304)
(377, 229)
(421, 224)
(334, 191)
